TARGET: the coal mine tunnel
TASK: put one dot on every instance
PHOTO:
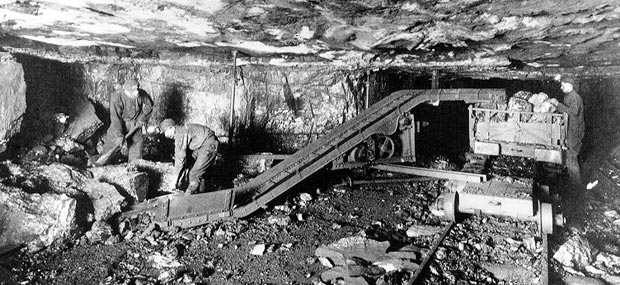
(309, 142)
(443, 129)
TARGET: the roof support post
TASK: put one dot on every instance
(231, 120)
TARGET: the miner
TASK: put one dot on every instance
(129, 114)
(193, 140)
(573, 106)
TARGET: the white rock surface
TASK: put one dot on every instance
(133, 183)
(34, 220)
(355, 246)
(12, 97)
(422, 230)
(105, 199)
(576, 252)
(100, 231)
(258, 249)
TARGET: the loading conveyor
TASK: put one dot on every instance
(380, 118)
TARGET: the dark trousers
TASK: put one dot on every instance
(135, 143)
(574, 171)
(203, 159)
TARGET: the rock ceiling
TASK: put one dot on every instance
(423, 33)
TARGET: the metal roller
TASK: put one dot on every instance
(543, 214)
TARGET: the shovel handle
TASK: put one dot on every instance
(103, 159)
(132, 132)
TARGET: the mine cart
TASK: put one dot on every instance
(540, 136)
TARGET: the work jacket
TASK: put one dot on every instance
(573, 106)
(192, 137)
(125, 110)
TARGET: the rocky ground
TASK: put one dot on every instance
(325, 233)
(279, 245)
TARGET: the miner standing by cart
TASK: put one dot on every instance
(572, 104)
(197, 141)
(129, 114)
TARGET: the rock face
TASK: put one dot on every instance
(322, 28)
(159, 174)
(71, 199)
(58, 101)
(35, 220)
(132, 184)
(355, 246)
(63, 178)
(576, 252)
(277, 108)
(106, 200)
(99, 231)
(422, 230)
(84, 123)
(12, 96)
(352, 257)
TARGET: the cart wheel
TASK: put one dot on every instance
(385, 147)
(451, 206)
(545, 218)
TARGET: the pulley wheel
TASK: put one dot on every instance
(385, 147)
(545, 218)
(361, 153)
(451, 205)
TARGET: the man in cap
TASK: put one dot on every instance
(130, 110)
(192, 139)
(572, 104)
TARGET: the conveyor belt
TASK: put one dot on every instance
(380, 118)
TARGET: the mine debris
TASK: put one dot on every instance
(576, 252)
(422, 230)
(105, 199)
(258, 249)
(134, 183)
(358, 256)
(100, 231)
(280, 220)
(35, 220)
(434, 248)
(585, 262)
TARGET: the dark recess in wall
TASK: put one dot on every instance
(601, 103)
(171, 103)
(52, 87)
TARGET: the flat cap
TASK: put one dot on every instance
(568, 79)
(167, 123)
(130, 84)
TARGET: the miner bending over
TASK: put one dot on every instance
(129, 114)
(192, 139)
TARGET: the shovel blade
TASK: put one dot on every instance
(194, 210)
(106, 157)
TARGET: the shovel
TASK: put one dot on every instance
(106, 157)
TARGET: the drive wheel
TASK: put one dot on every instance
(362, 153)
(385, 147)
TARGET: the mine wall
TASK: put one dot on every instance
(284, 108)
(277, 109)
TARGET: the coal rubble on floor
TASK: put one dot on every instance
(366, 234)
(47, 203)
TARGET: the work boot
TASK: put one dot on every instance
(192, 187)
(203, 186)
